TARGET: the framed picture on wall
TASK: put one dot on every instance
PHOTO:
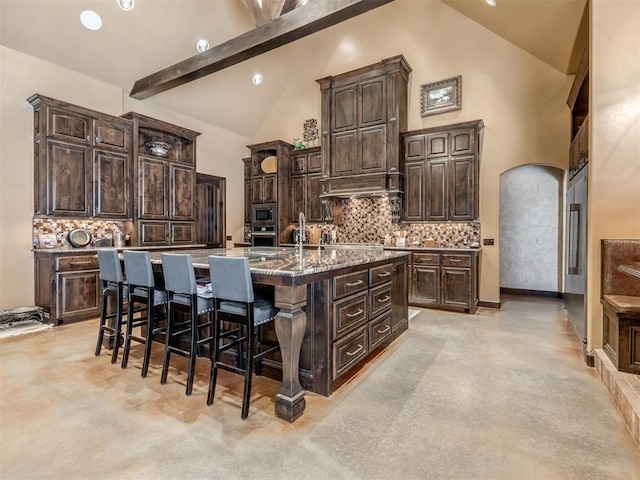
(440, 97)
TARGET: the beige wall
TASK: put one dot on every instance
(21, 76)
(614, 152)
(521, 100)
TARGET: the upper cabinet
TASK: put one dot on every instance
(578, 102)
(441, 167)
(165, 181)
(306, 165)
(82, 161)
(363, 113)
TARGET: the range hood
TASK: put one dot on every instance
(363, 185)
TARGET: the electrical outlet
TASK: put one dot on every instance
(229, 237)
(488, 241)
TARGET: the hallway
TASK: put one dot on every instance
(503, 394)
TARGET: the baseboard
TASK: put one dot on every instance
(488, 304)
(530, 293)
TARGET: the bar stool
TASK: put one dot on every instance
(142, 291)
(112, 286)
(236, 303)
(181, 287)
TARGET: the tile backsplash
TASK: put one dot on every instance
(368, 220)
(100, 229)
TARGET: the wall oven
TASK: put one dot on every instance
(263, 214)
(265, 236)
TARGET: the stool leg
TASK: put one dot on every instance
(127, 338)
(246, 398)
(192, 347)
(167, 344)
(118, 326)
(103, 319)
(148, 340)
(215, 353)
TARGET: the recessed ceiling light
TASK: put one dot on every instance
(303, 2)
(491, 2)
(91, 20)
(202, 45)
(125, 5)
(257, 79)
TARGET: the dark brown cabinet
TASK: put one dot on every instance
(166, 182)
(441, 172)
(264, 189)
(305, 185)
(445, 279)
(82, 161)
(363, 113)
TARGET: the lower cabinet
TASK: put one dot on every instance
(445, 279)
(68, 286)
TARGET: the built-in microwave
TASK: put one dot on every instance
(264, 214)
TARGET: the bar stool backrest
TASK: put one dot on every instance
(231, 278)
(138, 268)
(110, 269)
(179, 276)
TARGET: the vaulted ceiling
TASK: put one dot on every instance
(156, 34)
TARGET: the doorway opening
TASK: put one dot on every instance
(211, 210)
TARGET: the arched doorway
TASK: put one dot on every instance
(531, 230)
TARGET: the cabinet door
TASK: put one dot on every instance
(182, 233)
(373, 146)
(314, 204)
(270, 186)
(153, 233)
(182, 188)
(456, 287)
(112, 134)
(247, 202)
(344, 109)
(298, 194)
(372, 105)
(299, 163)
(415, 147)
(437, 145)
(153, 188)
(414, 192)
(425, 285)
(436, 190)
(79, 294)
(462, 204)
(69, 180)
(257, 190)
(111, 184)
(344, 148)
(314, 162)
(462, 142)
(68, 125)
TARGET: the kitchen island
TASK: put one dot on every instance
(337, 307)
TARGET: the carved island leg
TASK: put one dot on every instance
(291, 323)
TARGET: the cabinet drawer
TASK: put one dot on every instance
(80, 262)
(426, 258)
(456, 260)
(344, 285)
(380, 275)
(379, 299)
(379, 330)
(348, 351)
(348, 313)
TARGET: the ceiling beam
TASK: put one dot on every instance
(298, 23)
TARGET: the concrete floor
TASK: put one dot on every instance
(503, 394)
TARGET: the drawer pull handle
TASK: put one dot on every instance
(384, 330)
(384, 299)
(455, 260)
(80, 263)
(353, 284)
(384, 274)
(426, 259)
(356, 351)
(355, 314)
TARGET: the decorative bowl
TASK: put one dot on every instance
(158, 148)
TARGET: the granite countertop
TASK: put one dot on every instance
(287, 262)
(80, 250)
(385, 247)
(440, 249)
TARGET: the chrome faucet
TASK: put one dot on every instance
(303, 225)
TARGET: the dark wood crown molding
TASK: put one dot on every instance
(298, 23)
